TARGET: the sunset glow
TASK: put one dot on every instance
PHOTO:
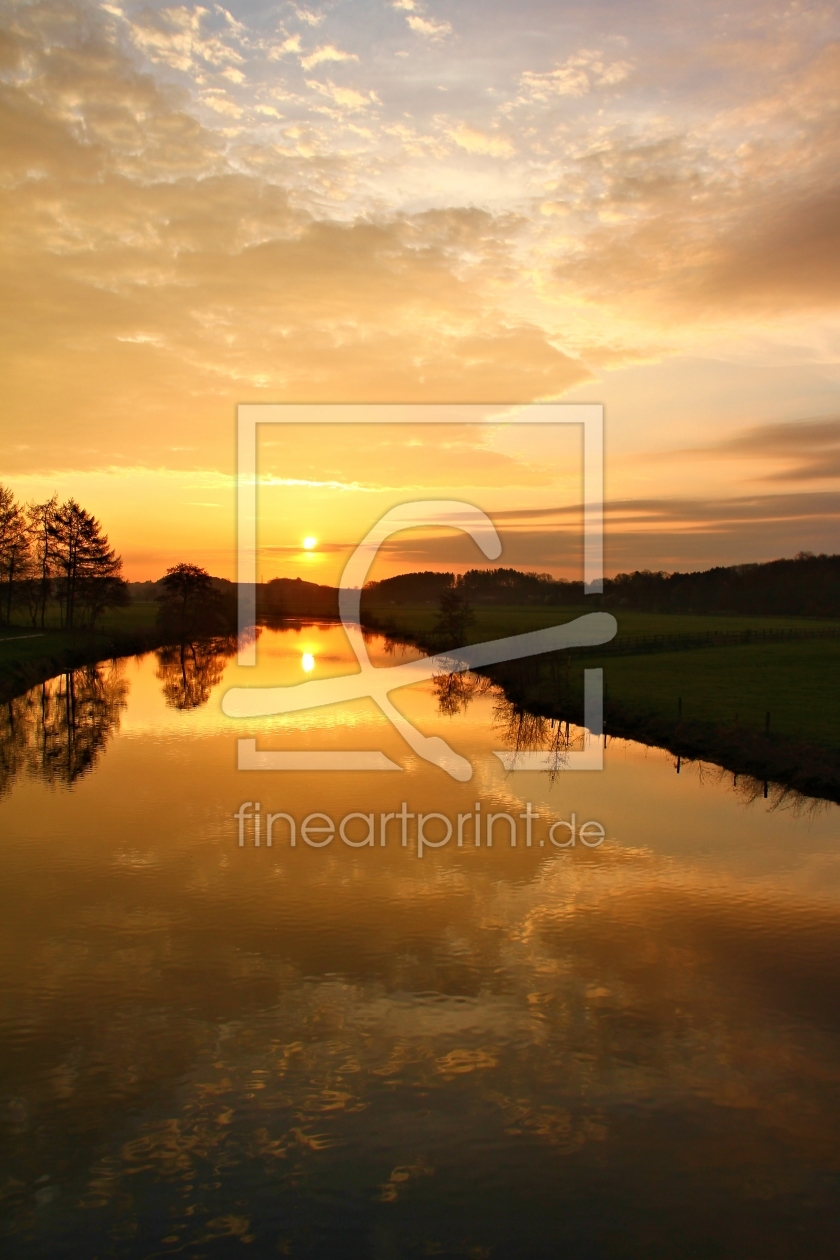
(211, 206)
(483, 360)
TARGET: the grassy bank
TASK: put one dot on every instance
(664, 686)
(495, 622)
(770, 711)
(29, 655)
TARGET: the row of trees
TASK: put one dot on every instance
(806, 585)
(54, 557)
(477, 586)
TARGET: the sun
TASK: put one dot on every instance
(309, 542)
(307, 661)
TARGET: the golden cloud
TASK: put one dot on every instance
(151, 287)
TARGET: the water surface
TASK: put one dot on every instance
(623, 1050)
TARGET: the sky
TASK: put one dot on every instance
(363, 201)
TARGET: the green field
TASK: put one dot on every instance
(497, 622)
(22, 641)
(28, 654)
(798, 682)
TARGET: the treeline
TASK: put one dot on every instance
(279, 598)
(477, 586)
(807, 586)
(55, 564)
(293, 597)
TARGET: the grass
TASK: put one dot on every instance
(798, 684)
(29, 655)
(726, 690)
(498, 622)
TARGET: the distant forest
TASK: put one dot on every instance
(807, 586)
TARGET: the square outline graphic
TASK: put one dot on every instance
(590, 415)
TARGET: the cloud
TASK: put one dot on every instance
(221, 104)
(474, 141)
(169, 250)
(660, 533)
(310, 18)
(734, 218)
(670, 546)
(152, 282)
(175, 37)
(576, 76)
(328, 52)
(694, 534)
(404, 460)
(429, 27)
(345, 98)
(810, 449)
(289, 45)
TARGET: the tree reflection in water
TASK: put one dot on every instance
(520, 730)
(456, 691)
(56, 731)
(523, 731)
(190, 671)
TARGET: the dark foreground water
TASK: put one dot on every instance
(625, 1050)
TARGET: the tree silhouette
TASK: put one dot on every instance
(455, 616)
(14, 550)
(190, 607)
(90, 571)
(190, 671)
(40, 517)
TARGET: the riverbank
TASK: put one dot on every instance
(759, 696)
(29, 656)
(767, 707)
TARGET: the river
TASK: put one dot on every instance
(619, 1039)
